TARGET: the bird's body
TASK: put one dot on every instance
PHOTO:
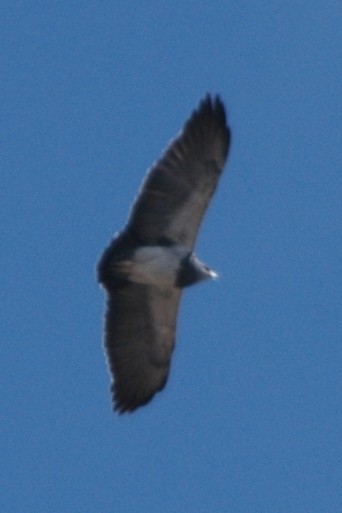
(153, 265)
(146, 266)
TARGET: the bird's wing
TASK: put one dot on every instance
(140, 330)
(178, 188)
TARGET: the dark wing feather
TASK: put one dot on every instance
(178, 188)
(140, 330)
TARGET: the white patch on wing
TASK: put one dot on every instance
(156, 265)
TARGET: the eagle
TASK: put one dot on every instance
(146, 266)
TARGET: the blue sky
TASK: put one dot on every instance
(250, 421)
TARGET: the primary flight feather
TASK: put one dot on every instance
(146, 266)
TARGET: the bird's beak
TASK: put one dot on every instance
(213, 275)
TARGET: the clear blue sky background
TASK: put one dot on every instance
(251, 419)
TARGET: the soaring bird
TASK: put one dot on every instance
(146, 266)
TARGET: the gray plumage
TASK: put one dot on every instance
(145, 267)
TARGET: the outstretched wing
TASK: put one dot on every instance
(140, 328)
(178, 188)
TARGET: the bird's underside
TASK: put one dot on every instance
(145, 267)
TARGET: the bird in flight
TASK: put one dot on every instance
(146, 266)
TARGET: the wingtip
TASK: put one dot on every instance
(211, 111)
(213, 106)
(214, 103)
(123, 403)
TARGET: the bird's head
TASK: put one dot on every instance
(192, 270)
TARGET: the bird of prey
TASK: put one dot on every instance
(148, 263)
